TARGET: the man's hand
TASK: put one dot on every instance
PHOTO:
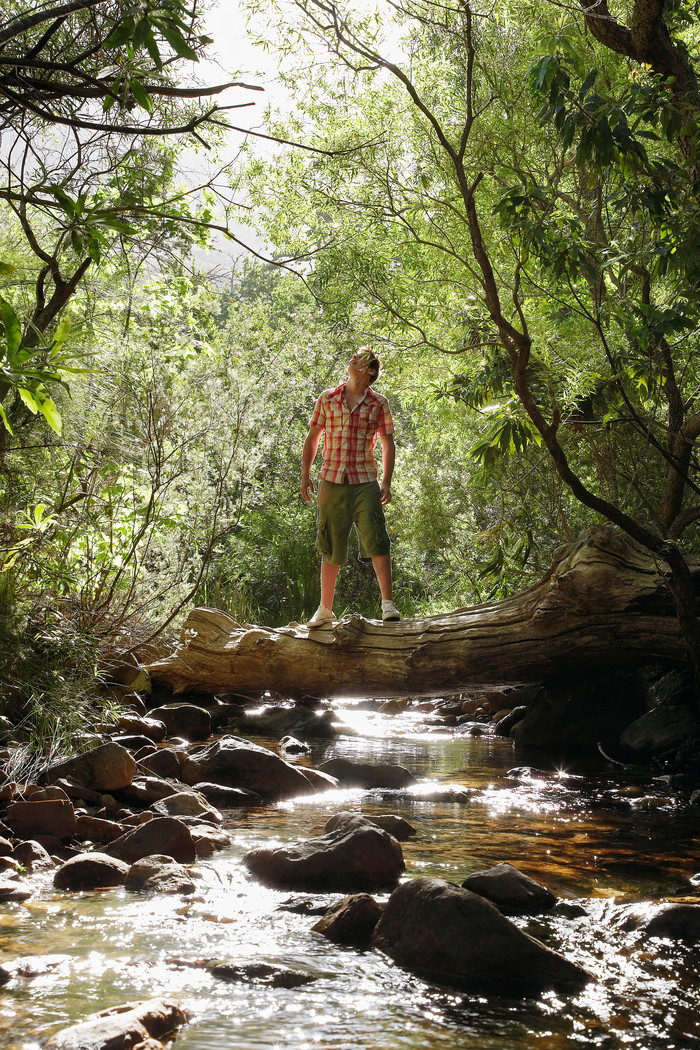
(385, 493)
(307, 488)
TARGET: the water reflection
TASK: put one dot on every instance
(604, 846)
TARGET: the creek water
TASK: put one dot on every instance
(609, 848)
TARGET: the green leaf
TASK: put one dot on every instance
(6, 269)
(28, 399)
(141, 95)
(12, 326)
(51, 415)
(61, 335)
(5, 420)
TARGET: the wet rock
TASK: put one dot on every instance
(95, 829)
(159, 873)
(151, 728)
(261, 973)
(302, 906)
(12, 889)
(133, 743)
(54, 818)
(145, 790)
(660, 729)
(361, 774)
(431, 793)
(6, 847)
(122, 1027)
(396, 826)
(164, 763)
(236, 762)
(452, 936)
(351, 921)
(356, 856)
(187, 804)
(162, 835)
(185, 720)
(290, 721)
(676, 922)
(89, 871)
(32, 856)
(226, 797)
(513, 892)
(208, 840)
(106, 768)
(291, 746)
(319, 781)
(29, 966)
(504, 725)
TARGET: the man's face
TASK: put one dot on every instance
(359, 362)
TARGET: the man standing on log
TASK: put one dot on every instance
(351, 417)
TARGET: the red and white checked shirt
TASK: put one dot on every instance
(349, 437)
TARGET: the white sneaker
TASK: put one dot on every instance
(389, 610)
(321, 617)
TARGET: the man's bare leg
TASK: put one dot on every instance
(381, 563)
(329, 574)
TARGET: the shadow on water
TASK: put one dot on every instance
(609, 848)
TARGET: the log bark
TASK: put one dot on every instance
(604, 603)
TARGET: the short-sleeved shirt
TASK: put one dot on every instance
(349, 437)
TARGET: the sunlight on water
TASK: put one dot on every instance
(607, 849)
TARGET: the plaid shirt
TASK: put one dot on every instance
(349, 437)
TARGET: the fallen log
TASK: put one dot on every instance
(604, 603)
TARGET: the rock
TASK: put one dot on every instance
(510, 890)
(676, 922)
(133, 743)
(286, 721)
(356, 856)
(186, 720)
(660, 729)
(145, 790)
(79, 792)
(319, 781)
(55, 818)
(236, 762)
(164, 763)
(291, 746)
(12, 889)
(162, 835)
(452, 936)
(152, 728)
(159, 873)
(261, 973)
(106, 768)
(90, 871)
(350, 921)
(6, 847)
(504, 725)
(94, 829)
(122, 1027)
(207, 840)
(359, 774)
(53, 793)
(186, 804)
(396, 826)
(32, 856)
(226, 797)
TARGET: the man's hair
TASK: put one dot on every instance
(373, 363)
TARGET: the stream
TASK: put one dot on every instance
(608, 847)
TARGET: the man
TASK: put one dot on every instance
(351, 417)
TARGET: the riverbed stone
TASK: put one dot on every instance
(351, 920)
(162, 835)
(226, 797)
(513, 892)
(319, 780)
(366, 775)
(356, 856)
(159, 873)
(450, 935)
(187, 804)
(660, 729)
(122, 1027)
(106, 768)
(164, 763)
(676, 922)
(32, 856)
(13, 889)
(145, 790)
(153, 729)
(95, 829)
(89, 871)
(236, 762)
(285, 721)
(186, 720)
(395, 825)
(53, 818)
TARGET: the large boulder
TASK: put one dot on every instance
(89, 871)
(54, 818)
(660, 729)
(235, 762)
(121, 1027)
(675, 922)
(226, 797)
(351, 921)
(355, 856)
(106, 768)
(282, 721)
(164, 763)
(395, 825)
(513, 892)
(365, 775)
(162, 835)
(187, 804)
(452, 936)
(159, 873)
(186, 720)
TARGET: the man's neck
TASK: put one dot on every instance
(355, 387)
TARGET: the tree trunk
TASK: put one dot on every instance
(604, 603)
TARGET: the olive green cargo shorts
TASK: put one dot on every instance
(338, 508)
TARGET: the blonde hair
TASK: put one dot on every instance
(373, 362)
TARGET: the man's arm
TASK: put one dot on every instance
(388, 459)
(308, 455)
